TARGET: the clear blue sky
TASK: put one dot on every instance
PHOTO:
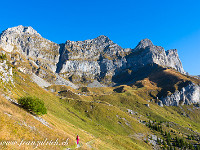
(168, 23)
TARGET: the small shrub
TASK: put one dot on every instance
(84, 89)
(33, 105)
(3, 56)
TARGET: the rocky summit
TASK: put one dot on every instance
(31, 44)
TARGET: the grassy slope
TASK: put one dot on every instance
(100, 118)
(68, 118)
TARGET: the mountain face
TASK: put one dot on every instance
(97, 59)
(96, 62)
(101, 58)
(31, 44)
(91, 59)
(147, 53)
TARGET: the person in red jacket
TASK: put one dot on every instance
(77, 139)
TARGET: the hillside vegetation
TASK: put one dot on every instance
(104, 118)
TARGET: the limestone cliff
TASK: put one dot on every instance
(187, 95)
(27, 41)
(5, 72)
(147, 53)
(92, 58)
(102, 58)
(85, 61)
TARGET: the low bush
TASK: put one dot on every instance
(3, 56)
(33, 105)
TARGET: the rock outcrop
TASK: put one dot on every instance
(187, 95)
(147, 53)
(5, 72)
(27, 41)
(174, 61)
(42, 83)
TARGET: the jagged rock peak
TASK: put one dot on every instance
(100, 40)
(171, 51)
(21, 30)
(92, 49)
(144, 43)
(103, 37)
(31, 44)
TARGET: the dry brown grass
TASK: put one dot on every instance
(17, 124)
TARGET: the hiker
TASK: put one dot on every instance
(77, 139)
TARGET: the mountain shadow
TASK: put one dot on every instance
(163, 78)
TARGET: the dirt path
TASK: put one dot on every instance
(88, 144)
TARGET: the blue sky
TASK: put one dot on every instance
(171, 24)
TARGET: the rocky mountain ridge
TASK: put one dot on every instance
(102, 58)
(95, 59)
(94, 62)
